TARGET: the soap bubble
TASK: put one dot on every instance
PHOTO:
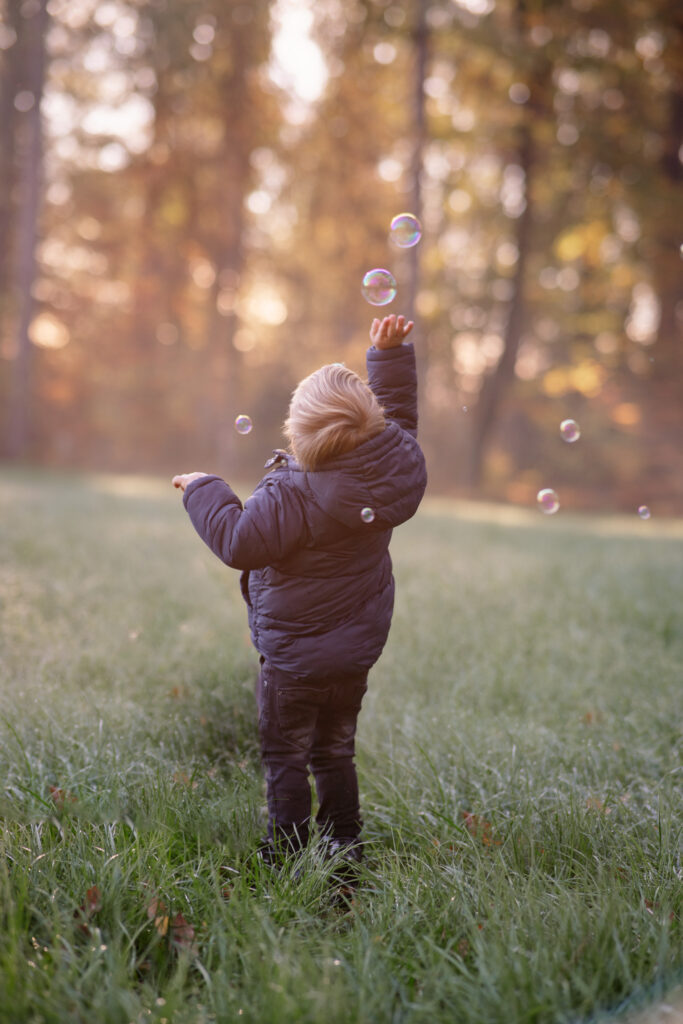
(405, 230)
(243, 424)
(367, 515)
(548, 501)
(570, 431)
(644, 512)
(379, 287)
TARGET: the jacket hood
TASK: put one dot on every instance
(386, 474)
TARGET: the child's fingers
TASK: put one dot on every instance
(408, 328)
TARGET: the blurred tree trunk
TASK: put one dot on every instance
(668, 262)
(31, 179)
(10, 79)
(496, 383)
(224, 241)
(421, 44)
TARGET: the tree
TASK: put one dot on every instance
(30, 163)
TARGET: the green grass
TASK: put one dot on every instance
(533, 679)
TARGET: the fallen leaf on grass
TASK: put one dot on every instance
(594, 804)
(88, 908)
(651, 907)
(182, 935)
(479, 828)
(60, 797)
(179, 932)
(156, 912)
(183, 779)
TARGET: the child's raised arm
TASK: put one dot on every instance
(392, 373)
(390, 332)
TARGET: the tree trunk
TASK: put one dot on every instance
(10, 79)
(495, 383)
(667, 265)
(421, 40)
(31, 177)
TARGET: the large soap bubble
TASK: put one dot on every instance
(405, 230)
(548, 501)
(570, 431)
(243, 424)
(378, 287)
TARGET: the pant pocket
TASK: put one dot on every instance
(297, 712)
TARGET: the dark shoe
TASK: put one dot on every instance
(267, 853)
(277, 853)
(346, 855)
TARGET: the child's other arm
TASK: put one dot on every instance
(392, 372)
(266, 529)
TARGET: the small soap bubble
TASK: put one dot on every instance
(379, 287)
(243, 424)
(570, 431)
(548, 501)
(367, 515)
(405, 230)
(643, 512)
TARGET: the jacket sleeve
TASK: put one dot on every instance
(268, 527)
(392, 375)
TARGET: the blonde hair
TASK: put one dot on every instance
(332, 411)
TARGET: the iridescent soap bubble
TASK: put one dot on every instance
(405, 230)
(548, 501)
(570, 431)
(379, 287)
(243, 424)
(367, 515)
(643, 512)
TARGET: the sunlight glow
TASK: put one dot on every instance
(297, 63)
(48, 332)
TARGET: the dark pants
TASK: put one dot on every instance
(302, 723)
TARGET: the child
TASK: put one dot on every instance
(312, 543)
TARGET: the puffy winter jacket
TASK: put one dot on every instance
(316, 576)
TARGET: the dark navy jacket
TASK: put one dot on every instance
(316, 578)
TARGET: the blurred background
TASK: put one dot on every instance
(192, 190)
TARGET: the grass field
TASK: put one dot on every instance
(520, 757)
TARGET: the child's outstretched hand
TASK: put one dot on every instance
(181, 480)
(390, 332)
